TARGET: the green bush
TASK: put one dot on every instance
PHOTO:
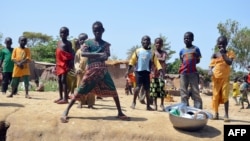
(50, 85)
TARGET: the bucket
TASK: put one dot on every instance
(189, 124)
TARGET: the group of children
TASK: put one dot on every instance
(15, 62)
(92, 73)
(146, 70)
(241, 89)
(144, 62)
(219, 70)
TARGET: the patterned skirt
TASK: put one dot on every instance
(97, 80)
(157, 88)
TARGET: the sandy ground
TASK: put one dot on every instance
(37, 119)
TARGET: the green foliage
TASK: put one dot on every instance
(241, 46)
(1, 38)
(173, 68)
(204, 74)
(51, 86)
(131, 51)
(35, 38)
(238, 74)
(238, 41)
(44, 53)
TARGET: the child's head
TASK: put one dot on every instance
(22, 41)
(245, 77)
(82, 37)
(188, 39)
(158, 43)
(248, 68)
(146, 42)
(64, 32)
(8, 42)
(222, 42)
(235, 79)
(98, 29)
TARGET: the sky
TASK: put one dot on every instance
(126, 21)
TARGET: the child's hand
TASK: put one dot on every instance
(210, 72)
(20, 65)
(103, 57)
(222, 51)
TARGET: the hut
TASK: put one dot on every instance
(117, 70)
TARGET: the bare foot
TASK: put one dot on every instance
(79, 105)
(91, 107)
(55, 101)
(27, 96)
(123, 117)
(62, 102)
(64, 119)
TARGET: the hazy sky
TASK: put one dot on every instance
(126, 21)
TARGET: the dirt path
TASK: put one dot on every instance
(37, 119)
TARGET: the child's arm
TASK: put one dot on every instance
(228, 60)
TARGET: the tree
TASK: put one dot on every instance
(241, 46)
(131, 50)
(238, 41)
(35, 38)
(1, 37)
(173, 68)
(44, 53)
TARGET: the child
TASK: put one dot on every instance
(157, 86)
(80, 67)
(96, 78)
(64, 63)
(8, 64)
(236, 91)
(143, 58)
(220, 71)
(244, 89)
(21, 57)
(248, 75)
(129, 83)
(190, 56)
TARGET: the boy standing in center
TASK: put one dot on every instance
(143, 58)
(190, 56)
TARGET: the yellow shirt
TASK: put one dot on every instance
(80, 62)
(154, 59)
(220, 68)
(236, 89)
(20, 54)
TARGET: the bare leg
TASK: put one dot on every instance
(13, 88)
(64, 90)
(235, 99)
(226, 117)
(27, 92)
(121, 115)
(148, 101)
(66, 112)
(162, 103)
(60, 89)
(136, 92)
(155, 103)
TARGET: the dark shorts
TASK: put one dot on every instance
(143, 79)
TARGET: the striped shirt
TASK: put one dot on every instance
(189, 57)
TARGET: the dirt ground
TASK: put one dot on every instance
(37, 119)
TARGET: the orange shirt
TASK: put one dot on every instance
(131, 77)
(18, 55)
(221, 68)
(248, 78)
